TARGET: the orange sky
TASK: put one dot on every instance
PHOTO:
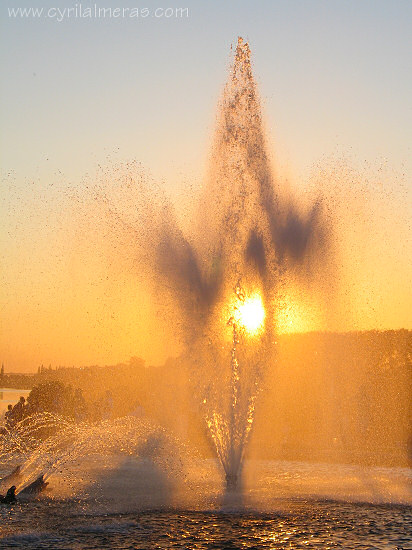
(69, 297)
(335, 84)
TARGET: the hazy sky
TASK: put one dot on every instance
(335, 79)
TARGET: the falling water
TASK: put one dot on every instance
(219, 284)
(47, 444)
(225, 276)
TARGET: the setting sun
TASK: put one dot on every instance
(250, 314)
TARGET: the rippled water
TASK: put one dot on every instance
(298, 524)
(132, 503)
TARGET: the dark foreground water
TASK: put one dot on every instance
(51, 524)
(125, 502)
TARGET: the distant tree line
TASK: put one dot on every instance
(327, 396)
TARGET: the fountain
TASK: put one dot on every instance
(221, 281)
(225, 277)
(220, 285)
(236, 427)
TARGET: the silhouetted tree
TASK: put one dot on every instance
(55, 397)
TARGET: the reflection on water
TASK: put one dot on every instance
(296, 525)
(121, 501)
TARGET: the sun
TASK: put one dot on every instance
(250, 314)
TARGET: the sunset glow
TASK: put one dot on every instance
(205, 228)
(250, 314)
(73, 291)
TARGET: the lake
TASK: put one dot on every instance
(10, 396)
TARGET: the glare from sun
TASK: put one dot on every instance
(250, 314)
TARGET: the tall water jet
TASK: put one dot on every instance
(225, 277)
(220, 283)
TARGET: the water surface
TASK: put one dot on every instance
(305, 524)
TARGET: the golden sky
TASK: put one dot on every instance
(82, 98)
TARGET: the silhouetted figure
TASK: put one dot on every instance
(8, 415)
(18, 410)
(28, 410)
(10, 497)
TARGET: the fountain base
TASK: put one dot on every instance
(232, 482)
